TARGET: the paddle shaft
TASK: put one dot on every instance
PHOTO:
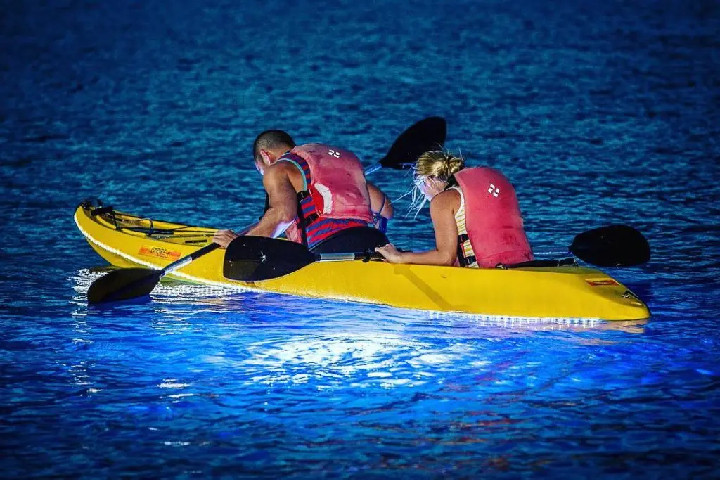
(378, 166)
(373, 168)
(610, 246)
(340, 257)
(189, 258)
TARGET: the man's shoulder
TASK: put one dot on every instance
(280, 168)
(281, 172)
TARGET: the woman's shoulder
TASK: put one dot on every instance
(447, 199)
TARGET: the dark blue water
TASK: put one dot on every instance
(600, 112)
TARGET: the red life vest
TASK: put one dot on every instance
(492, 219)
(334, 197)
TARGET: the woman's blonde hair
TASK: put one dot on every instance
(439, 164)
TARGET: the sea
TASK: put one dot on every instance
(599, 112)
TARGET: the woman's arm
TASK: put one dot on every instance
(442, 212)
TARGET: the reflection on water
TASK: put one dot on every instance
(272, 381)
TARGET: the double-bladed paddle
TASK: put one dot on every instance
(253, 259)
(127, 283)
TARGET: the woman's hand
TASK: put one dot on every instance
(390, 253)
(224, 237)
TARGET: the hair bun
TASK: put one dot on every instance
(439, 163)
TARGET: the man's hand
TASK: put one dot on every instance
(224, 237)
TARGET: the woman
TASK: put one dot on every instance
(475, 214)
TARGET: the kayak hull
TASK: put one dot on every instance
(126, 240)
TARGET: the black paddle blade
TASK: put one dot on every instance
(425, 135)
(251, 259)
(612, 246)
(123, 284)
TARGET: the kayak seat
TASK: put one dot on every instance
(541, 263)
(352, 240)
(102, 210)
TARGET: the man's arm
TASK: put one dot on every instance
(282, 207)
(283, 202)
(380, 205)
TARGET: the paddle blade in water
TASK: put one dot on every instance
(425, 135)
(612, 246)
(123, 284)
(252, 259)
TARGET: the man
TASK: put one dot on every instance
(314, 191)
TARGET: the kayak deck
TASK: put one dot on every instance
(127, 240)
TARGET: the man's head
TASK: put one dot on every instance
(269, 146)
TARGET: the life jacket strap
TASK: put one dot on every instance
(462, 259)
(304, 222)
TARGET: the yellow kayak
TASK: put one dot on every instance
(127, 240)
